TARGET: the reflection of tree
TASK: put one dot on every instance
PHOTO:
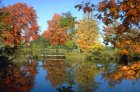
(85, 77)
(17, 79)
(130, 72)
(56, 72)
(65, 89)
(31, 68)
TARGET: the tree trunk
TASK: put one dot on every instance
(123, 59)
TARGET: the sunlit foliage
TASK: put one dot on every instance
(87, 34)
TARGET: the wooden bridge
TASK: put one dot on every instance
(51, 57)
(44, 54)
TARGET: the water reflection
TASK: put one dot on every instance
(17, 79)
(62, 76)
(56, 72)
(85, 75)
(130, 72)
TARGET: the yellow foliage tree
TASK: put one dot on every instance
(87, 34)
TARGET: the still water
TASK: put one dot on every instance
(59, 76)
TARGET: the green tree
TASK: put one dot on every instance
(68, 21)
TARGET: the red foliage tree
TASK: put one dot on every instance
(124, 18)
(127, 11)
(55, 33)
(22, 20)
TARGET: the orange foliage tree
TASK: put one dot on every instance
(123, 18)
(127, 11)
(55, 33)
(22, 20)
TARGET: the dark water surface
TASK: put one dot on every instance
(58, 76)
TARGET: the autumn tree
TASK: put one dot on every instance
(87, 34)
(68, 21)
(55, 33)
(125, 35)
(23, 25)
(127, 42)
(127, 11)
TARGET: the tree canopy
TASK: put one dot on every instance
(123, 22)
(23, 25)
(55, 33)
(87, 34)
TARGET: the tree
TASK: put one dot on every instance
(124, 34)
(127, 11)
(86, 34)
(55, 33)
(126, 42)
(70, 45)
(22, 20)
(68, 21)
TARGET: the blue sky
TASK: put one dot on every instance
(46, 8)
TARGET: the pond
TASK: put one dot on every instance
(63, 76)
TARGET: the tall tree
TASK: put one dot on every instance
(55, 33)
(68, 21)
(86, 34)
(22, 20)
